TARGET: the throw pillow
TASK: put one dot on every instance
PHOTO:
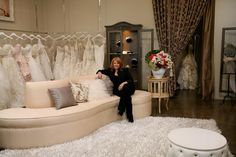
(62, 97)
(80, 92)
(98, 89)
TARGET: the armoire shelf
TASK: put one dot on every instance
(124, 40)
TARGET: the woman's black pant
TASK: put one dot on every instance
(125, 103)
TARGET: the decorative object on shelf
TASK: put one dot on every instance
(158, 61)
(158, 73)
(128, 39)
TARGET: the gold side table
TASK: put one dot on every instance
(159, 89)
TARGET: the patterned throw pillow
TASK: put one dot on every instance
(80, 92)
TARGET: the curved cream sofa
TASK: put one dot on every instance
(40, 124)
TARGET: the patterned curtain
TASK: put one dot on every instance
(176, 21)
(207, 76)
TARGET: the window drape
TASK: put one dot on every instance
(176, 21)
(206, 80)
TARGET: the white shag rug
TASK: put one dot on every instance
(145, 137)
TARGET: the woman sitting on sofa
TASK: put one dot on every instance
(123, 86)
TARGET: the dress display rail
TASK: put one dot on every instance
(33, 57)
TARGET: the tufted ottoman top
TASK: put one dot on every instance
(197, 139)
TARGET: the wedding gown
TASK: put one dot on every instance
(45, 62)
(36, 72)
(17, 84)
(99, 50)
(74, 60)
(66, 65)
(79, 63)
(188, 73)
(89, 64)
(22, 62)
(4, 86)
(58, 66)
(51, 52)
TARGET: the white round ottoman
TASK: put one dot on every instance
(196, 142)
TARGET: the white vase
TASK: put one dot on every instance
(158, 73)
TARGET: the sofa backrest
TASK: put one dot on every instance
(37, 95)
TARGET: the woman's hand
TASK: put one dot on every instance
(122, 85)
(99, 75)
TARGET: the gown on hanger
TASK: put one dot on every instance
(35, 70)
(44, 61)
(79, 48)
(74, 60)
(89, 64)
(22, 62)
(17, 83)
(58, 66)
(4, 86)
(188, 73)
(66, 63)
(99, 50)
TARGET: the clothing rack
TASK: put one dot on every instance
(52, 35)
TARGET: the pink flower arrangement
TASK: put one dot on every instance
(157, 59)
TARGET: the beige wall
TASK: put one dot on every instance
(25, 19)
(224, 17)
(87, 16)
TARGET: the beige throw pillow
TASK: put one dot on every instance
(97, 89)
(62, 97)
(80, 92)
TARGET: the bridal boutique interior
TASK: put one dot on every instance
(55, 39)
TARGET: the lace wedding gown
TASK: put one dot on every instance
(45, 62)
(188, 73)
(89, 64)
(4, 86)
(75, 69)
(17, 84)
(66, 65)
(58, 66)
(22, 62)
(35, 70)
(99, 50)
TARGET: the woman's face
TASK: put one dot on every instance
(116, 65)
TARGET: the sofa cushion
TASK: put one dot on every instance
(80, 92)
(62, 97)
(37, 95)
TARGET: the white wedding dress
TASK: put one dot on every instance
(188, 73)
(17, 84)
(58, 66)
(36, 71)
(89, 64)
(99, 50)
(4, 86)
(79, 64)
(75, 69)
(66, 65)
(45, 62)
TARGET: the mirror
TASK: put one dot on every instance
(228, 61)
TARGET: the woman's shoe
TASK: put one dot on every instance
(120, 113)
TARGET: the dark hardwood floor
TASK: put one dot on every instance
(188, 104)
